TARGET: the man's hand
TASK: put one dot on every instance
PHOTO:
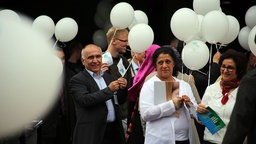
(122, 83)
(114, 86)
(104, 67)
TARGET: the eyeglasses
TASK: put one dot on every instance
(121, 40)
(229, 68)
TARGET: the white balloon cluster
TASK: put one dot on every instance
(243, 37)
(201, 23)
(247, 35)
(121, 15)
(206, 23)
(65, 29)
(141, 35)
(45, 25)
(139, 17)
(195, 55)
(8, 14)
(212, 30)
(30, 74)
(184, 24)
(202, 7)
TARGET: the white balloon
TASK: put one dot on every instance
(202, 7)
(100, 39)
(45, 25)
(30, 76)
(233, 30)
(250, 17)
(8, 14)
(140, 37)
(66, 29)
(139, 17)
(195, 55)
(214, 26)
(121, 15)
(252, 40)
(243, 37)
(199, 35)
(184, 24)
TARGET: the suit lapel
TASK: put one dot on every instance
(90, 79)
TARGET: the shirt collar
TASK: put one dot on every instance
(134, 65)
(93, 74)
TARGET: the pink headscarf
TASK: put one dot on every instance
(145, 69)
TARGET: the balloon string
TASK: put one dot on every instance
(201, 72)
(112, 38)
(218, 48)
(210, 60)
(55, 44)
(182, 66)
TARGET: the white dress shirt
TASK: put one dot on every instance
(212, 97)
(102, 84)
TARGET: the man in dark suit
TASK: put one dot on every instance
(96, 96)
(242, 122)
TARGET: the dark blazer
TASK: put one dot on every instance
(242, 121)
(91, 109)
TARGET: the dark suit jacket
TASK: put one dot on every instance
(242, 121)
(91, 109)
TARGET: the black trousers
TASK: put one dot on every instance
(182, 142)
(206, 142)
(112, 135)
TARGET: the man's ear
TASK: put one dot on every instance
(113, 40)
(135, 55)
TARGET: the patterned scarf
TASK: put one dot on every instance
(226, 87)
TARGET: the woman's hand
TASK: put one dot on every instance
(201, 108)
(178, 102)
(187, 100)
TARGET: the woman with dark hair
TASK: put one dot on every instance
(169, 121)
(221, 96)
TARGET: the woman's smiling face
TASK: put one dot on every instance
(228, 70)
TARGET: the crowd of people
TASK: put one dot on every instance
(114, 102)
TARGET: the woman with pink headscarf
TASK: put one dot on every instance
(135, 131)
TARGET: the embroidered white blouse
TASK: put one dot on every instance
(162, 126)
